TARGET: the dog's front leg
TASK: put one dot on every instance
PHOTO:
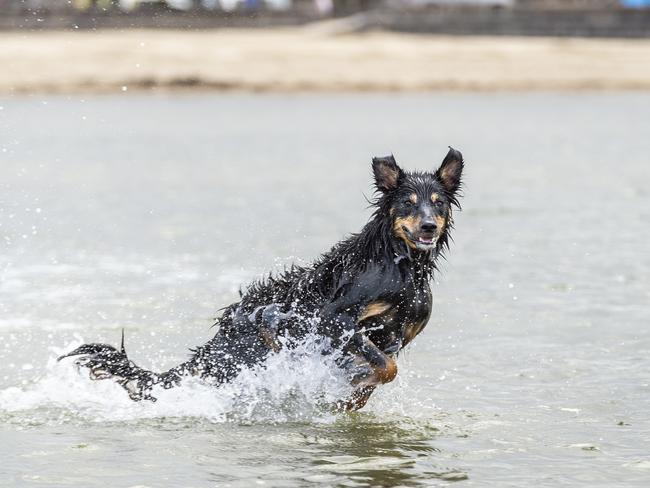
(369, 366)
(379, 367)
(375, 365)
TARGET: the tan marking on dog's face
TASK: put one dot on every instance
(441, 222)
(373, 309)
(434, 197)
(413, 198)
(411, 223)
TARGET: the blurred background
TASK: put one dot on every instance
(323, 45)
(526, 17)
(155, 156)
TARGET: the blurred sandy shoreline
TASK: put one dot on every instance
(315, 58)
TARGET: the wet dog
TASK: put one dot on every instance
(367, 298)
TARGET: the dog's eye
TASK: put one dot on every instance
(439, 203)
(408, 203)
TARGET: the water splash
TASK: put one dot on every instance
(292, 386)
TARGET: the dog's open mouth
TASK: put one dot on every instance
(426, 243)
(423, 242)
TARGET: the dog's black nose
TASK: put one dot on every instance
(428, 226)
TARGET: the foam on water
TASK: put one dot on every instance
(293, 385)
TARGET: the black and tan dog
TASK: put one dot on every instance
(368, 297)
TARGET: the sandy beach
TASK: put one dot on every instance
(312, 59)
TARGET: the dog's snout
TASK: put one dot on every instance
(428, 226)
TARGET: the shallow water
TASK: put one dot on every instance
(148, 212)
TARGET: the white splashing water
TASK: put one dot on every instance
(294, 385)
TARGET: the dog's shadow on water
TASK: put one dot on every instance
(369, 451)
(357, 449)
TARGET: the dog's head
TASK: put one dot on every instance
(419, 204)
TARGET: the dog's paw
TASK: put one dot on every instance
(104, 361)
(356, 400)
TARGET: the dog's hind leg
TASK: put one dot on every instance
(268, 318)
(236, 345)
(106, 362)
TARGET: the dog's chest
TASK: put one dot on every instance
(404, 317)
(413, 311)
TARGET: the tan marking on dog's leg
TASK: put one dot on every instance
(411, 331)
(268, 337)
(384, 370)
(387, 373)
(441, 222)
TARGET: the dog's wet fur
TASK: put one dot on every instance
(369, 296)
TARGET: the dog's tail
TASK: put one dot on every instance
(106, 362)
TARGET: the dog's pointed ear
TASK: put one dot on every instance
(451, 170)
(387, 174)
